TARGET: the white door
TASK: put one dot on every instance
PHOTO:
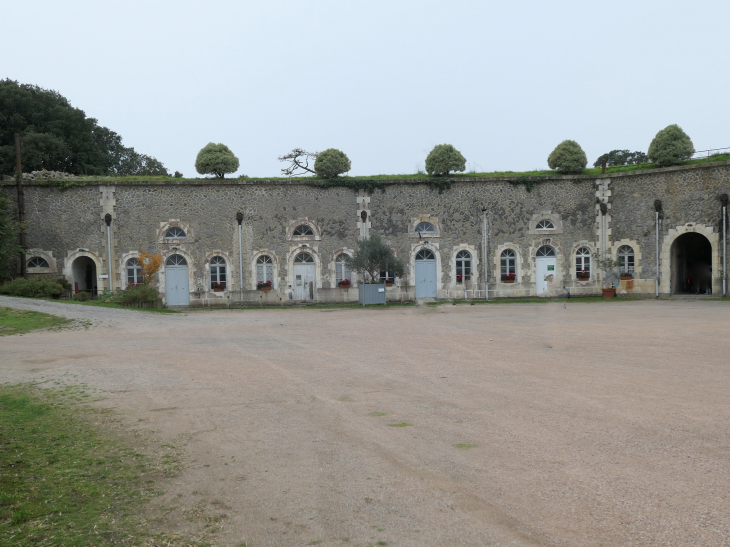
(304, 278)
(425, 274)
(176, 281)
(545, 272)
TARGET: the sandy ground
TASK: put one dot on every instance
(586, 424)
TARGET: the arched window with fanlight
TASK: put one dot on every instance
(134, 272)
(343, 274)
(626, 260)
(175, 233)
(303, 230)
(425, 228)
(264, 269)
(463, 266)
(583, 263)
(37, 262)
(218, 273)
(508, 265)
(545, 225)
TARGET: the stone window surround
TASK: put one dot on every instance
(307, 222)
(474, 281)
(595, 274)
(123, 267)
(193, 284)
(518, 261)
(293, 252)
(230, 273)
(275, 267)
(612, 251)
(333, 266)
(424, 218)
(432, 246)
(174, 223)
(545, 214)
(45, 255)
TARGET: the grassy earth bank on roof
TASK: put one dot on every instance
(588, 173)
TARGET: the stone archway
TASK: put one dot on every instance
(689, 249)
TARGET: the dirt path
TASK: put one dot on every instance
(589, 424)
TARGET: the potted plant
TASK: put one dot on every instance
(583, 275)
(219, 287)
(626, 275)
(389, 281)
(509, 277)
(344, 284)
(610, 267)
(264, 285)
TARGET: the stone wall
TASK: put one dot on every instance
(65, 224)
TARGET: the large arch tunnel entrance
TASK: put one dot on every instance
(84, 272)
(691, 264)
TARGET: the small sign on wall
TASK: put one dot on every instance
(103, 276)
(551, 267)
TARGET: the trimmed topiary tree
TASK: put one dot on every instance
(331, 163)
(216, 159)
(671, 146)
(443, 159)
(568, 157)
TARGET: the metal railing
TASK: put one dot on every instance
(708, 154)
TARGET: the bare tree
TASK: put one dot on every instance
(299, 162)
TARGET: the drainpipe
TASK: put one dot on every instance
(604, 210)
(21, 206)
(723, 198)
(239, 218)
(484, 254)
(108, 219)
(657, 208)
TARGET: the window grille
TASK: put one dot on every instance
(264, 269)
(218, 272)
(508, 262)
(463, 266)
(342, 269)
(134, 272)
(546, 250)
(176, 260)
(37, 262)
(303, 258)
(175, 233)
(425, 228)
(626, 260)
(303, 230)
(545, 225)
(583, 262)
(425, 254)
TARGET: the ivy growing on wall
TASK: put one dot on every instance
(370, 185)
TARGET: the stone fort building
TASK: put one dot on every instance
(230, 235)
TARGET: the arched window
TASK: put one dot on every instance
(463, 266)
(303, 258)
(134, 272)
(626, 260)
(425, 228)
(545, 250)
(545, 225)
(508, 264)
(264, 269)
(303, 230)
(583, 263)
(425, 254)
(37, 262)
(217, 272)
(176, 260)
(175, 233)
(342, 268)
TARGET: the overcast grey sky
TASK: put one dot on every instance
(384, 81)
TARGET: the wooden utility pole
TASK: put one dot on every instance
(21, 206)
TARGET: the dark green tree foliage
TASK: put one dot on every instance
(331, 163)
(9, 232)
(216, 159)
(56, 136)
(621, 157)
(373, 256)
(443, 159)
(671, 146)
(568, 157)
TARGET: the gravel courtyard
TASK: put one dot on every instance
(528, 424)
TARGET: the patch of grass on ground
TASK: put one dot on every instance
(102, 304)
(14, 321)
(465, 446)
(62, 482)
(401, 424)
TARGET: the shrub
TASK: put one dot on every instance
(216, 159)
(139, 293)
(372, 256)
(671, 146)
(568, 157)
(443, 159)
(37, 287)
(331, 163)
(83, 296)
(64, 283)
(621, 157)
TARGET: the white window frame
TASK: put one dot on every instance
(626, 259)
(133, 266)
(507, 263)
(215, 271)
(464, 263)
(342, 270)
(583, 261)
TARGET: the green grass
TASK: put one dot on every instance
(377, 414)
(401, 424)
(465, 446)
(21, 321)
(99, 304)
(62, 481)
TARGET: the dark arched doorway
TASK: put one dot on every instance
(691, 264)
(84, 272)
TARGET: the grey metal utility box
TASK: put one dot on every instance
(371, 293)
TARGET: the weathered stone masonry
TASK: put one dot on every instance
(64, 225)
